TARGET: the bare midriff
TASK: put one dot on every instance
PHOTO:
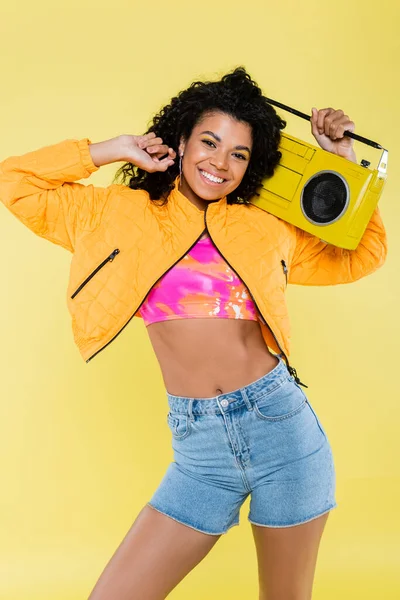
(206, 357)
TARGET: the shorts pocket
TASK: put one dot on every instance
(282, 403)
(313, 411)
(179, 425)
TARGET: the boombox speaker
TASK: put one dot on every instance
(322, 193)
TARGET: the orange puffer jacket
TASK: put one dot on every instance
(123, 242)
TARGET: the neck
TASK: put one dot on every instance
(201, 204)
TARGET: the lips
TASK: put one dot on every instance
(207, 180)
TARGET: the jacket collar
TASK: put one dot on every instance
(181, 202)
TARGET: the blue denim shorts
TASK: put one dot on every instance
(263, 440)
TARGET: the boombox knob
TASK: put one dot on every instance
(365, 163)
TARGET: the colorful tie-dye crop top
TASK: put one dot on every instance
(201, 285)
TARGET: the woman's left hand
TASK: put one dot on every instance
(328, 126)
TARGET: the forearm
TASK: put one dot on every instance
(106, 152)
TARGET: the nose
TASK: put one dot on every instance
(220, 161)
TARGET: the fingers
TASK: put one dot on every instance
(161, 155)
(161, 150)
(331, 122)
(143, 140)
(150, 139)
(314, 119)
(165, 164)
(322, 120)
(154, 146)
(160, 165)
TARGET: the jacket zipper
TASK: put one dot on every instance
(109, 258)
(285, 269)
(291, 369)
(141, 302)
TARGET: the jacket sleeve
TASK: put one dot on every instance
(39, 189)
(318, 263)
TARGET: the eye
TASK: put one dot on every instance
(208, 142)
(236, 154)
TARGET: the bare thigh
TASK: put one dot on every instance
(287, 558)
(155, 555)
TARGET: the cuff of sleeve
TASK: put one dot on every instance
(83, 146)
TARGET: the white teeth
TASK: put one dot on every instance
(211, 177)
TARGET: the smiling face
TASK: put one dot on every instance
(220, 147)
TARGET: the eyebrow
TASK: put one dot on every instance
(214, 135)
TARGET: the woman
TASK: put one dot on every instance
(178, 244)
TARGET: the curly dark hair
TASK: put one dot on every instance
(236, 95)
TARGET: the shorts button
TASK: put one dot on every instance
(224, 403)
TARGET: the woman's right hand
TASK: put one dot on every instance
(145, 152)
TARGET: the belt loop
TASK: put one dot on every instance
(246, 399)
(189, 407)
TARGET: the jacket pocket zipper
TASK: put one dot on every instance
(109, 258)
(144, 297)
(285, 269)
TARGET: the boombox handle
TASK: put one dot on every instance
(382, 166)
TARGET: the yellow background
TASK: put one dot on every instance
(84, 446)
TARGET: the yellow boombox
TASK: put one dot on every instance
(324, 194)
